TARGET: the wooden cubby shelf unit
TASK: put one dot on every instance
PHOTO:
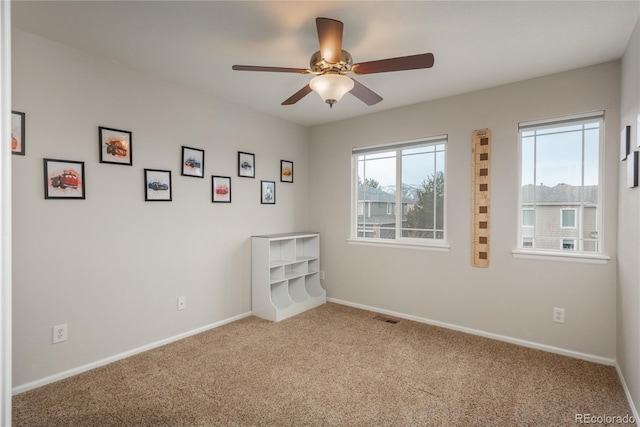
(285, 275)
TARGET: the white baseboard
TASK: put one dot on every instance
(530, 344)
(80, 369)
(628, 394)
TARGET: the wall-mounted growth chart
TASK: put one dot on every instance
(481, 164)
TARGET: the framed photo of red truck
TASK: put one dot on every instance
(115, 146)
(63, 179)
(221, 189)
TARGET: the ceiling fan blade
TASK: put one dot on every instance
(297, 96)
(330, 38)
(413, 62)
(365, 94)
(272, 69)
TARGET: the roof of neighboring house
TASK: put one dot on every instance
(372, 194)
(559, 194)
(366, 192)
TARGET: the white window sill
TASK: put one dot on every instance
(584, 258)
(403, 244)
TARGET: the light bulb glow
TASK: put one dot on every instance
(331, 87)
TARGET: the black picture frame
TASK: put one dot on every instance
(220, 189)
(246, 165)
(157, 185)
(18, 133)
(63, 179)
(115, 146)
(192, 162)
(625, 143)
(268, 192)
(632, 169)
(286, 171)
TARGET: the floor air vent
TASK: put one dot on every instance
(386, 319)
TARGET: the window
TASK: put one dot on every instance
(409, 175)
(528, 217)
(567, 218)
(560, 188)
(568, 245)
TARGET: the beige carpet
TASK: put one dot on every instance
(331, 366)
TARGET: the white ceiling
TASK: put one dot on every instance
(476, 44)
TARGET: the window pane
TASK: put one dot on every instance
(559, 159)
(376, 189)
(528, 217)
(423, 193)
(568, 218)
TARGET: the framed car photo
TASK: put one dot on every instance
(268, 192)
(246, 165)
(192, 162)
(286, 171)
(63, 179)
(157, 185)
(115, 146)
(18, 139)
(221, 189)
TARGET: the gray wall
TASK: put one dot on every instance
(113, 265)
(628, 291)
(513, 298)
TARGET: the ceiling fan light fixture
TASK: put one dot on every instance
(331, 87)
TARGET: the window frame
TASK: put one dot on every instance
(576, 255)
(398, 241)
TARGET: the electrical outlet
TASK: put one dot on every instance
(59, 333)
(182, 303)
(558, 315)
(321, 274)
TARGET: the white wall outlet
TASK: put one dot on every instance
(59, 333)
(321, 274)
(182, 303)
(558, 315)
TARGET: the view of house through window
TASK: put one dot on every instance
(560, 184)
(399, 191)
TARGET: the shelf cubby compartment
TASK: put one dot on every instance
(282, 252)
(313, 287)
(314, 266)
(297, 290)
(276, 273)
(280, 295)
(308, 247)
(295, 269)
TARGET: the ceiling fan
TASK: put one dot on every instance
(331, 64)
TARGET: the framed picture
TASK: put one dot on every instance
(246, 165)
(63, 179)
(638, 131)
(286, 171)
(18, 132)
(157, 185)
(221, 189)
(268, 192)
(192, 162)
(115, 146)
(632, 170)
(625, 142)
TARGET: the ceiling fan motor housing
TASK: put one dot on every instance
(318, 65)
